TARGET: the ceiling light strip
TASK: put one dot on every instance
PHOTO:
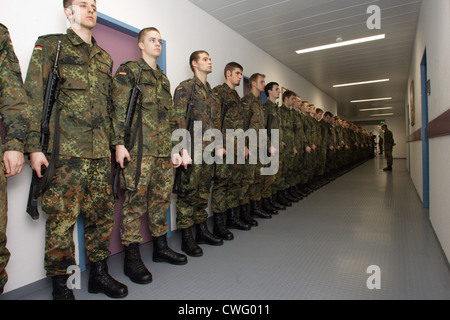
(370, 100)
(382, 115)
(360, 83)
(342, 44)
(375, 109)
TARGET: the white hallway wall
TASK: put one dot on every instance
(186, 29)
(432, 34)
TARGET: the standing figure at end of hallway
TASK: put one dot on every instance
(388, 147)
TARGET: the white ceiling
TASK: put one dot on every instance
(280, 27)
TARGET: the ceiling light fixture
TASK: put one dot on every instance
(360, 83)
(375, 109)
(369, 100)
(382, 115)
(342, 44)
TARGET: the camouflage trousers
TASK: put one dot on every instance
(389, 157)
(288, 168)
(321, 161)
(268, 186)
(79, 186)
(226, 187)
(4, 253)
(151, 196)
(193, 200)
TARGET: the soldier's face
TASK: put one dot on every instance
(318, 116)
(82, 14)
(151, 44)
(236, 77)
(203, 64)
(260, 84)
(275, 91)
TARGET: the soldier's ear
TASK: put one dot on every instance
(141, 45)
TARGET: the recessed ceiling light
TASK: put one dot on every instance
(375, 109)
(342, 44)
(369, 100)
(382, 115)
(360, 83)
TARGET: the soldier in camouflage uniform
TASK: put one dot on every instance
(388, 146)
(82, 157)
(289, 150)
(192, 201)
(13, 101)
(300, 144)
(148, 177)
(254, 119)
(322, 147)
(227, 181)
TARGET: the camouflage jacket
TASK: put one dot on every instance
(84, 99)
(273, 109)
(388, 140)
(324, 134)
(158, 115)
(206, 107)
(287, 126)
(253, 111)
(233, 114)
(299, 131)
(13, 99)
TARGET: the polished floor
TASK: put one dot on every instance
(322, 248)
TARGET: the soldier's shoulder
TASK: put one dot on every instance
(3, 29)
(55, 37)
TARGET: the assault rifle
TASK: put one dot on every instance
(131, 110)
(51, 96)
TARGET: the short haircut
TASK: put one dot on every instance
(328, 114)
(195, 56)
(254, 77)
(318, 110)
(287, 94)
(269, 87)
(68, 3)
(231, 67)
(144, 31)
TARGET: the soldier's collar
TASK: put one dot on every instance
(200, 83)
(76, 39)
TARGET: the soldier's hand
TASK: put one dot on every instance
(176, 160)
(13, 161)
(221, 152)
(308, 149)
(38, 159)
(186, 159)
(247, 153)
(122, 154)
(273, 150)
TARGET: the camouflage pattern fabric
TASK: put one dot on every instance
(152, 196)
(389, 146)
(227, 182)
(79, 185)
(253, 105)
(195, 187)
(13, 101)
(300, 144)
(84, 99)
(287, 156)
(158, 116)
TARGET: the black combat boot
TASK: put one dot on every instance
(162, 252)
(388, 168)
(246, 216)
(288, 196)
(60, 289)
(294, 193)
(188, 244)
(265, 205)
(257, 211)
(275, 203)
(282, 200)
(219, 229)
(133, 266)
(234, 221)
(101, 282)
(205, 236)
